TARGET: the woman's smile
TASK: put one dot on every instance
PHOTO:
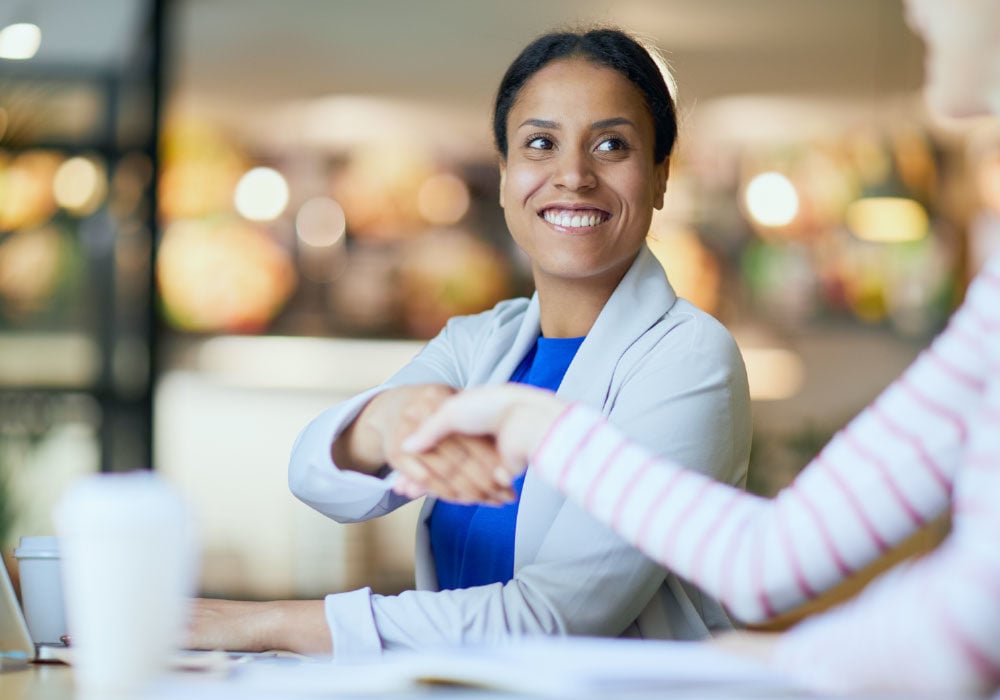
(573, 218)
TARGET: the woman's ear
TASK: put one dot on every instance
(503, 179)
(661, 171)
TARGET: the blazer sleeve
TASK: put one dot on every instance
(348, 496)
(582, 579)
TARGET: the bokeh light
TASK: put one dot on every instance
(30, 264)
(887, 219)
(26, 197)
(378, 190)
(771, 199)
(320, 222)
(443, 199)
(79, 185)
(200, 169)
(19, 42)
(773, 373)
(446, 273)
(222, 276)
(261, 194)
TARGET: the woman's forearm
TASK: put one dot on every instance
(360, 446)
(235, 625)
(300, 626)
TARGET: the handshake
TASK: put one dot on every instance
(466, 447)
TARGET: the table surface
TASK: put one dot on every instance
(53, 681)
(43, 681)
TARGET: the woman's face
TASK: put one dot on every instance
(579, 184)
(962, 38)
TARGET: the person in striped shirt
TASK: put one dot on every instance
(929, 443)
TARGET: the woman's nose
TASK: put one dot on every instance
(574, 171)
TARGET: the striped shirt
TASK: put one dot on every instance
(929, 442)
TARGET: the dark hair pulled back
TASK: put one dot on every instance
(607, 47)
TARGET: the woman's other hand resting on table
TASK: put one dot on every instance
(235, 625)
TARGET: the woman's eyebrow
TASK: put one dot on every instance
(614, 121)
(540, 123)
(602, 124)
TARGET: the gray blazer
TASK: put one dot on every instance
(665, 372)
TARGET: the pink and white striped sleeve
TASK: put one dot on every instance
(931, 626)
(891, 470)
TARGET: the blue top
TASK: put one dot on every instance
(473, 545)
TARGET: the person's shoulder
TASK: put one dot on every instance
(688, 336)
(683, 320)
(685, 347)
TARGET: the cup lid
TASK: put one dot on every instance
(41, 547)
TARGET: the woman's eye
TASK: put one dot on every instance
(540, 143)
(612, 144)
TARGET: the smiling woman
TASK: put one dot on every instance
(584, 126)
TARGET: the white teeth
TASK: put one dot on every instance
(567, 220)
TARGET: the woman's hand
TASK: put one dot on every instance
(365, 445)
(459, 468)
(514, 416)
(233, 625)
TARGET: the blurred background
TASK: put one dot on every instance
(218, 217)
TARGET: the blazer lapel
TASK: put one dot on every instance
(641, 299)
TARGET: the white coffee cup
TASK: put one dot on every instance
(128, 571)
(41, 588)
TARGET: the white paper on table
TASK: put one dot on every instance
(547, 667)
(580, 667)
(288, 679)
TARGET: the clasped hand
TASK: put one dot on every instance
(467, 447)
